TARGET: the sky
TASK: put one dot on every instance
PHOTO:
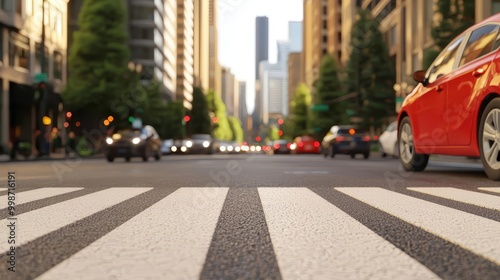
(237, 34)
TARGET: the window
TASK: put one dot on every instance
(444, 62)
(495, 6)
(58, 65)
(325, 39)
(56, 19)
(7, 5)
(141, 13)
(38, 57)
(480, 43)
(142, 33)
(19, 50)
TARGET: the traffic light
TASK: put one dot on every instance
(131, 119)
(280, 121)
(258, 139)
(187, 118)
(215, 120)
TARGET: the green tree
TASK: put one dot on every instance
(236, 128)
(370, 73)
(300, 110)
(98, 58)
(273, 133)
(221, 129)
(200, 119)
(454, 17)
(329, 91)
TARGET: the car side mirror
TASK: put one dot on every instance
(419, 76)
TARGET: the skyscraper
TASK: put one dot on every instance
(243, 113)
(261, 54)
(185, 51)
(213, 61)
(201, 43)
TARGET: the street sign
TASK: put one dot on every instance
(319, 107)
(41, 77)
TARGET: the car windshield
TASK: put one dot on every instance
(201, 137)
(129, 133)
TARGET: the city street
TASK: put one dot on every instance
(250, 217)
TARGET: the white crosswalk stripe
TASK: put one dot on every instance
(311, 237)
(470, 197)
(481, 236)
(495, 190)
(47, 219)
(166, 241)
(325, 241)
(37, 194)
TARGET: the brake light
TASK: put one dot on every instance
(301, 144)
(288, 145)
(366, 139)
(276, 146)
(375, 137)
(340, 138)
(316, 144)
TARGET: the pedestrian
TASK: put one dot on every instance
(71, 145)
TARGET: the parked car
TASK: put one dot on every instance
(347, 140)
(200, 144)
(305, 145)
(129, 143)
(388, 141)
(455, 108)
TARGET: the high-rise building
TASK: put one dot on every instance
(272, 87)
(261, 54)
(295, 36)
(151, 31)
(281, 97)
(21, 62)
(229, 93)
(294, 75)
(322, 34)
(215, 70)
(185, 51)
(201, 43)
(243, 113)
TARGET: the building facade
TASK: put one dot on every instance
(215, 70)
(201, 43)
(21, 61)
(272, 82)
(230, 92)
(294, 75)
(261, 54)
(242, 110)
(185, 51)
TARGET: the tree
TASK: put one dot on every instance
(200, 119)
(370, 74)
(329, 90)
(454, 17)
(236, 128)
(300, 110)
(98, 58)
(273, 133)
(221, 129)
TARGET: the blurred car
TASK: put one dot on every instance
(128, 143)
(281, 147)
(388, 141)
(179, 147)
(347, 140)
(305, 145)
(455, 108)
(200, 144)
(166, 146)
(229, 147)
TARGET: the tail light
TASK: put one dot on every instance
(276, 146)
(316, 144)
(340, 138)
(301, 144)
(375, 137)
(288, 145)
(366, 139)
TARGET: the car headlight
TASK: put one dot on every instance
(136, 140)
(206, 144)
(237, 149)
(293, 146)
(183, 149)
(189, 144)
(173, 149)
(109, 141)
(252, 148)
(258, 148)
(222, 148)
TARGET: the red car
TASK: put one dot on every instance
(455, 108)
(305, 145)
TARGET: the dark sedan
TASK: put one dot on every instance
(347, 140)
(130, 143)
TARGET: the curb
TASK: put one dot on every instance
(6, 159)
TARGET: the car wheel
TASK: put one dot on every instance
(410, 160)
(381, 150)
(353, 155)
(366, 155)
(489, 139)
(331, 151)
(127, 159)
(110, 158)
(158, 155)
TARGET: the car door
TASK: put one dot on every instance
(469, 78)
(430, 117)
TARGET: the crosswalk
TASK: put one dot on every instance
(312, 237)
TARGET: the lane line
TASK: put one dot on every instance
(168, 240)
(474, 233)
(34, 224)
(29, 196)
(495, 190)
(469, 197)
(313, 239)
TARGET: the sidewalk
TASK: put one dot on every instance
(55, 156)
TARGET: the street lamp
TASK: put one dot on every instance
(135, 68)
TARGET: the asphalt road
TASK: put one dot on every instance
(249, 217)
